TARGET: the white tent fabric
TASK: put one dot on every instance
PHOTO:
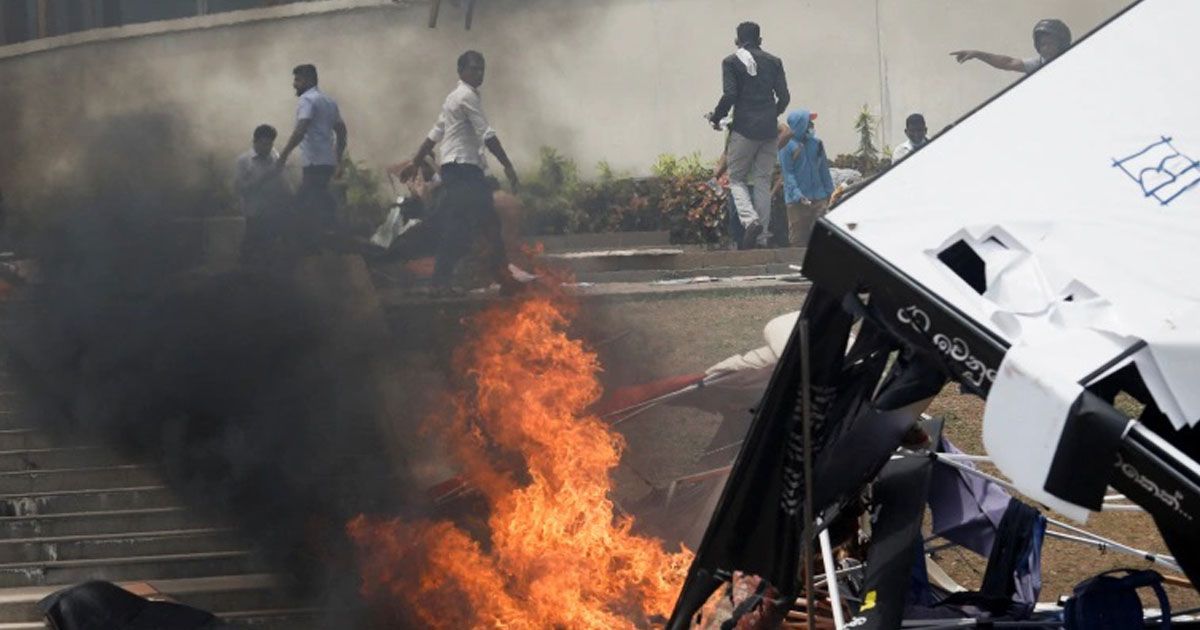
(1080, 190)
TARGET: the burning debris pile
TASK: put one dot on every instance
(553, 553)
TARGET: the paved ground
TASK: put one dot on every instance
(687, 334)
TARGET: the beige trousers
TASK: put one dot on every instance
(801, 219)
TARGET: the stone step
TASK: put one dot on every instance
(66, 572)
(89, 500)
(601, 240)
(260, 591)
(218, 594)
(77, 479)
(667, 258)
(10, 400)
(654, 275)
(275, 619)
(125, 544)
(12, 416)
(283, 619)
(58, 458)
(17, 439)
(108, 522)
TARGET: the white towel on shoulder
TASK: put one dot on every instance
(745, 57)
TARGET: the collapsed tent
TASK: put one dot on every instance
(1049, 274)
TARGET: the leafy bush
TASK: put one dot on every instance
(362, 203)
(549, 195)
(676, 198)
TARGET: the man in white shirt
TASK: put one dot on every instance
(321, 136)
(465, 205)
(915, 130)
(263, 192)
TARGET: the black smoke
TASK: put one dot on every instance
(261, 395)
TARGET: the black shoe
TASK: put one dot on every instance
(750, 237)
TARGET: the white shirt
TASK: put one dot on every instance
(318, 147)
(904, 149)
(462, 128)
(261, 189)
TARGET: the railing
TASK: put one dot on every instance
(23, 20)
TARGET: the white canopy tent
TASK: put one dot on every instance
(1077, 189)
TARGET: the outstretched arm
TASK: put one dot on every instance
(1000, 62)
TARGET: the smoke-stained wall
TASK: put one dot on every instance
(616, 80)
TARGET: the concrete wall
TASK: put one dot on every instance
(621, 80)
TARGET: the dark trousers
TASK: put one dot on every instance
(315, 206)
(466, 211)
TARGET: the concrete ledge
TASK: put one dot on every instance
(18, 606)
(200, 22)
(603, 240)
(67, 572)
(31, 504)
(114, 521)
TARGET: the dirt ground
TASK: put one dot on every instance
(639, 341)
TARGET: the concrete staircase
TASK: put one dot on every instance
(76, 512)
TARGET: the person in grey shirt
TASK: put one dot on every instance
(321, 136)
(755, 86)
(263, 192)
(1051, 38)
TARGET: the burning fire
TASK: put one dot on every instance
(555, 555)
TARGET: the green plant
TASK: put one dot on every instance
(867, 158)
(359, 188)
(676, 198)
(669, 166)
(549, 195)
(865, 125)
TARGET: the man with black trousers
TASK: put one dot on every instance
(755, 86)
(465, 204)
(318, 123)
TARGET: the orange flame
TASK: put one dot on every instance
(556, 555)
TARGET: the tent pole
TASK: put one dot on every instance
(1165, 561)
(1105, 543)
(806, 425)
(835, 597)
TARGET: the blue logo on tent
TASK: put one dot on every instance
(1161, 170)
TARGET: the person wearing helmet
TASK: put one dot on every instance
(1050, 38)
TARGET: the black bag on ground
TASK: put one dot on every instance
(1107, 602)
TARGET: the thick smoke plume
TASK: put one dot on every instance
(261, 396)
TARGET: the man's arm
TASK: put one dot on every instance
(1000, 62)
(297, 136)
(729, 92)
(782, 96)
(343, 136)
(493, 145)
(426, 149)
(474, 113)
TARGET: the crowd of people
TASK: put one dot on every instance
(754, 89)
(306, 220)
